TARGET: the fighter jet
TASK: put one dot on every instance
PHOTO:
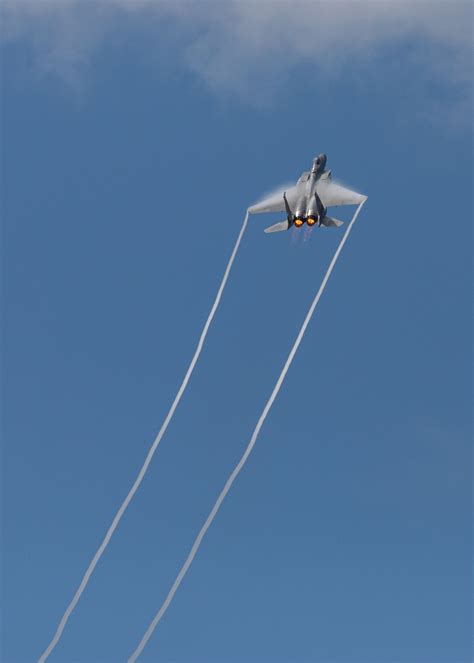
(308, 200)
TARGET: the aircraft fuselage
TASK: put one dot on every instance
(308, 205)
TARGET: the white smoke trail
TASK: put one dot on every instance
(197, 543)
(141, 474)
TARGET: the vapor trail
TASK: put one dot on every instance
(197, 543)
(141, 474)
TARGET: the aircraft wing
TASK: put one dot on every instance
(332, 194)
(275, 202)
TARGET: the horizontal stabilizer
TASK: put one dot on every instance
(278, 227)
(330, 222)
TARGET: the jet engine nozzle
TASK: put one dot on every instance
(310, 220)
(299, 222)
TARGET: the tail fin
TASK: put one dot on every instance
(329, 222)
(278, 227)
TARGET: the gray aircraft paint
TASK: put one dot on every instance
(310, 197)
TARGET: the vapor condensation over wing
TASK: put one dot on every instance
(274, 192)
(141, 474)
(235, 472)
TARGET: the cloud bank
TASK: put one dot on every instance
(251, 48)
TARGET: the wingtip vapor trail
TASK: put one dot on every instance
(235, 472)
(118, 516)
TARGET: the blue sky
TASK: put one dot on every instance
(133, 142)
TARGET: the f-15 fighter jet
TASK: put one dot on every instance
(308, 200)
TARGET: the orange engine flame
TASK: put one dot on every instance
(310, 221)
(299, 223)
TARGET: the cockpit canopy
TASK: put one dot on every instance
(319, 163)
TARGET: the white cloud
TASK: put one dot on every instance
(250, 48)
